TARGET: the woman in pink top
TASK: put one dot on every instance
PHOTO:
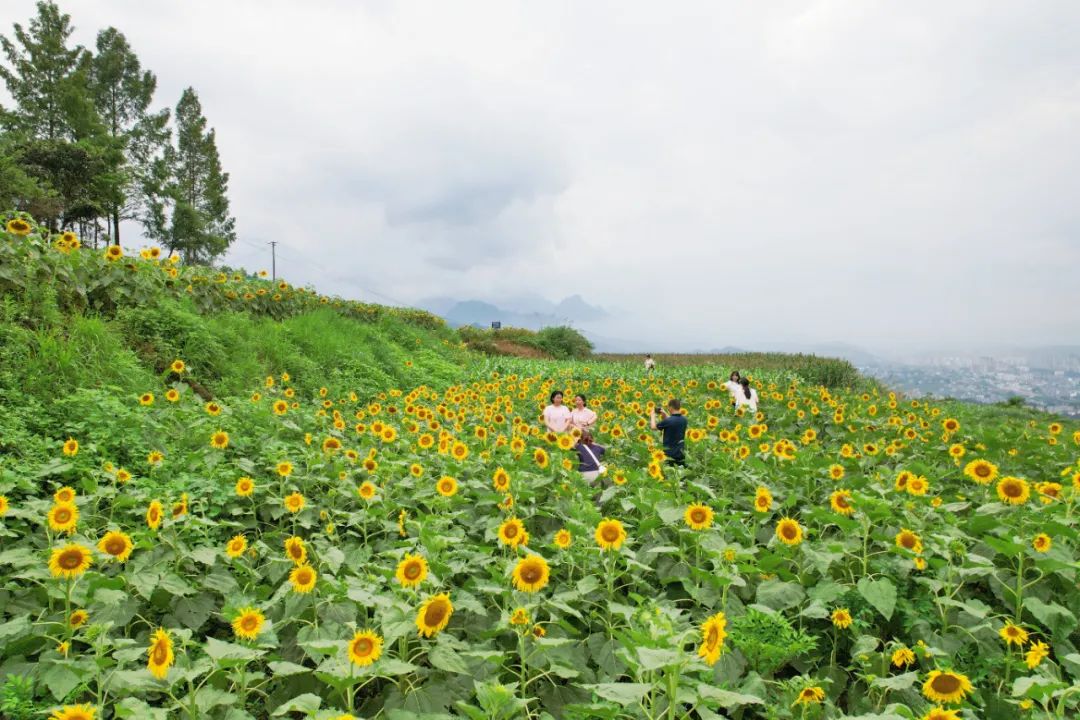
(581, 416)
(557, 415)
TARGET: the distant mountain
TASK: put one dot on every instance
(526, 312)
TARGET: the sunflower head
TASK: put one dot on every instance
(248, 623)
(698, 516)
(434, 615)
(1013, 490)
(303, 578)
(70, 561)
(610, 534)
(713, 633)
(789, 532)
(411, 571)
(531, 573)
(447, 486)
(946, 686)
(563, 539)
(117, 545)
(365, 648)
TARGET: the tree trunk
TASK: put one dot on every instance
(116, 224)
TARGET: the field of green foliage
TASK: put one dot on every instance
(270, 504)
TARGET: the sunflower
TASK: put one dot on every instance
(154, 457)
(501, 480)
(840, 501)
(181, 508)
(70, 561)
(610, 534)
(245, 486)
(248, 623)
(236, 546)
(1013, 634)
(836, 472)
(531, 573)
(74, 712)
(280, 407)
(540, 457)
(296, 550)
(122, 476)
(154, 513)
(366, 490)
(1048, 492)
(1013, 490)
(841, 618)
(789, 532)
(284, 468)
(519, 617)
(1035, 654)
(810, 695)
(902, 657)
(71, 447)
(946, 686)
(161, 654)
(939, 713)
(365, 648)
(78, 618)
(63, 517)
(909, 540)
(459, 450)
(981, 471)
(146, 399)
(18, 226)
(698, 516)
(1042, 543)
(331, 445)
(116, 544)
(434, 615)
(512, 533)
(3, 505)
(902, 480)
(294, 503)
(563, 538)
(303, 578)
(713, 632)
(411, 571)
(917, 486)
(762, 500)
(447, 486)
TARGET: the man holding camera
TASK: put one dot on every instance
(673, 425)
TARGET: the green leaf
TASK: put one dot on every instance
(280, 668)
(880, 593)
(1060, 621)
(656, 658)
(726, 698)
(446, 658)
(779, 595)
(224, 651)
(896, 682)
(306, 703)
(60, 679)
(622, 693)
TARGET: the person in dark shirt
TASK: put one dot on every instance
(673, 426)
(589, 454)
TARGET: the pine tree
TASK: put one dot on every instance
(193, 216)
(122, 92)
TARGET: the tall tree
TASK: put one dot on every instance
(42, 77)
(122, 92)
(194, 220)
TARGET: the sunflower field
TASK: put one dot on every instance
(309, 549)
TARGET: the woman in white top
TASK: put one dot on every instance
(557, 415)
(581, 416)
(733, 386)
(747, 396)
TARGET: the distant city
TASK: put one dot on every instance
(1046, 379)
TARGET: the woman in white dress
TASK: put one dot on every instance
(733, 386)
(557, 415)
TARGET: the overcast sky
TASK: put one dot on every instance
(737, 173)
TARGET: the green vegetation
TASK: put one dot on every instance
(562, 343)
(830, 372)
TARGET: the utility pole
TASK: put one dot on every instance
(273, 260)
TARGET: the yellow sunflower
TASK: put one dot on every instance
(1013, 634)
(245, 486)
(981, 471)
(70, 561)
(531, 573)
(789, 532)
(909, 540)
(366, 490)
(512, 533)
(146, 399)
(78, 618)
(71, 447)
(762, 500)
(563, 539)
(902, 657)
(434, 615)
(610, 534)
(296, 550)
(1036, 654)
(236, 546)
(161, 654)
(1013, 490)
(836, 472)
(284, 468)
(248, 623)
(3, 505)
(74, 712)
(698, 516)
(810, 695)
(1042, 543)
(840, 501)
(540, 457)
(280, 407)
(18, 226)
(841, 618)
(303, 578)
(294, 503)
(447, 486)
(116, 544)
(411, 571)
(946, 686)
(713, 632)
(63, 517)
(154, 513)
(365, 648)
(501, 480)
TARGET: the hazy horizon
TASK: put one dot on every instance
(720, 173)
